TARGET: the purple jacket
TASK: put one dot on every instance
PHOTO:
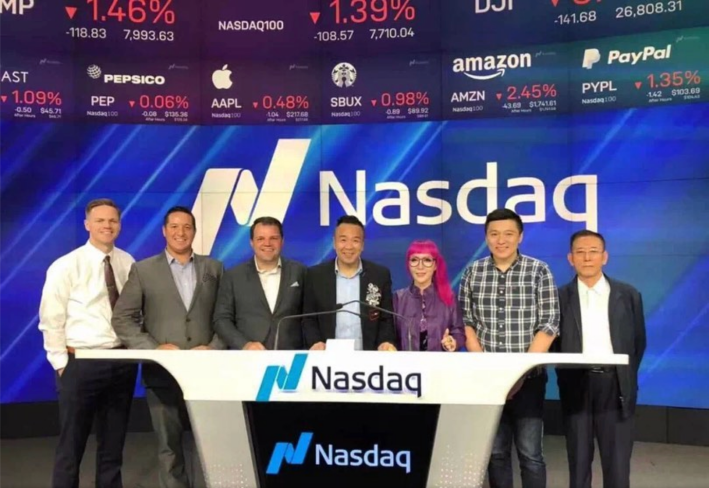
(439, 317)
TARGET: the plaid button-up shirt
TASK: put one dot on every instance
(507, 309)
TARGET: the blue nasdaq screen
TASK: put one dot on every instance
(418, 116)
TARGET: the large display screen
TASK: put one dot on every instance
(421, 116)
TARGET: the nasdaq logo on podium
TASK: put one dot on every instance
(279, 376)
(329, 379)
(285, 451)
(329, 455)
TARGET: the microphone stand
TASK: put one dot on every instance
(406, 321)
(338, 309)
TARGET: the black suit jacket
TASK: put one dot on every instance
(321, 295)
(242, 313)
(627, 328)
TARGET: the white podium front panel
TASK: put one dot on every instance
(471, 389)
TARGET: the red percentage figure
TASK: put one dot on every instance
(162, 11)
(37, 97)
(692, 77)
(534, 92)
(422, 98)
(160, 102)
(575, 2)
(54, 98)
(402, 7)
(302, 102)
(675, 78)
(403, 99)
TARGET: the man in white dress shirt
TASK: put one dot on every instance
(75, 313)
(599, 315)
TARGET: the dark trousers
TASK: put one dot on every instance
(93, 389)
(596, 413)
(522, 421)
(178, 463)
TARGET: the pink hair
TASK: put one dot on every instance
(440, 276)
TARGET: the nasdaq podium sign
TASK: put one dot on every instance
(277, 419)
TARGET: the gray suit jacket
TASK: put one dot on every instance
(150, 311)
(242, 313)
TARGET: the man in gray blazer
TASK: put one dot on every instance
(254, 296)
(167, 304)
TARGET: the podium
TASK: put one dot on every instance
(312, 434)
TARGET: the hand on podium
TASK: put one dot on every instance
(254, 346)
(318, 346)
(386, 346)
(201, 348)
(168, 347)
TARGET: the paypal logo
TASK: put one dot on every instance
(590, 57)
(280, 376)
(329, 455)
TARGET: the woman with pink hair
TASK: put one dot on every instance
(433, 319)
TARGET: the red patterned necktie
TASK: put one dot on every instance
(110, 281)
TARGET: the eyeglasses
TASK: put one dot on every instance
(427, 262)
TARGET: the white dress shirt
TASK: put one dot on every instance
(595, 327)
(271, 282)
(75, 310)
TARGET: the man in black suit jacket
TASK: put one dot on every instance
(342, 280)
(254, 296)
(599, 315)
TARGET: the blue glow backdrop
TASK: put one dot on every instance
(652, 169)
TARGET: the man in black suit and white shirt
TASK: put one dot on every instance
(345, 279)
(254, 296)
(599, 315)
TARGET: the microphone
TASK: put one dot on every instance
(338, 309)
(407, 322)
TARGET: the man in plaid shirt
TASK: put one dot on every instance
(510, 304)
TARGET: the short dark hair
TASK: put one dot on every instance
(179, 209)
(267, 221)
(99, 202)
(586, 233)
(349, 219)
(504, 214)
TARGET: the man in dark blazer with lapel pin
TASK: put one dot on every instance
(599, 315)
(167, 304)
(254, 296)
(345, 279)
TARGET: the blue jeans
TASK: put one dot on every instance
(522, 420)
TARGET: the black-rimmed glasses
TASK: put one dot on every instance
(427, 262)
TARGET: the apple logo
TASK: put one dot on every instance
(221, 78)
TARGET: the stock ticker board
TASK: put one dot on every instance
(345, 61)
